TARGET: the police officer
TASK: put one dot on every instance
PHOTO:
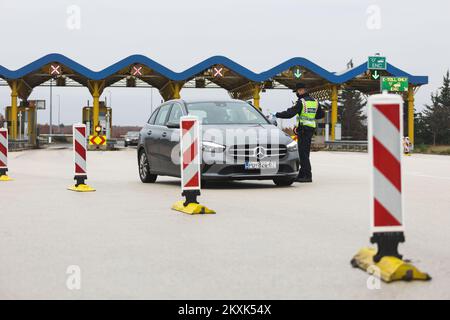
(307, 110)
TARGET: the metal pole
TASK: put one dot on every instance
(59, 113)
(151, 100)
(20, 125)
(108, 128)
(5, 123)
(51, 110)
(411, 115)
(334, 113)
(95, 107)
(256, 96)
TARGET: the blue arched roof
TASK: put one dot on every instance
(198, 68)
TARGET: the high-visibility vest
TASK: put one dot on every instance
(307, 117)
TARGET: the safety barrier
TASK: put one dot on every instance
(79, 158)
(20, 145)
(346, 145)
(387, 221)
(190, 158)
(4, 155)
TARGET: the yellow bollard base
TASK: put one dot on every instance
(5, 177)
(191, 208)
(390, 268)
(81, 188)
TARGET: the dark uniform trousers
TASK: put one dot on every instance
(305, 135)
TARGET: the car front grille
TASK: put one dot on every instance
(258, 152)
(240, 170)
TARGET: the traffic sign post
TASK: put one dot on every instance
(55, 70)
(386, 202)
(218, 72)
(96, 140)
(297, 73)
(375, 75)
(137, 70)
(394, 84)
(190, 157)
(376, 63)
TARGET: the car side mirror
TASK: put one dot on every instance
(273, 121)
(173, 125)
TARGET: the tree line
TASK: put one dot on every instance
(433, 123)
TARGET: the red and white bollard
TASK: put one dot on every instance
(4, 155)
(190, 158)
(385, 150)
(386, 200)
(79, 159)
(406, 146)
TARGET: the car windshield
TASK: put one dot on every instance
(132, 133)
(232, 112)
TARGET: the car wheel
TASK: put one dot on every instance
(144, 169)
(283, 182)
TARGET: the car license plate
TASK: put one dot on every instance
(260, 165)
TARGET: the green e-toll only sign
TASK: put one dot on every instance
(394, 84)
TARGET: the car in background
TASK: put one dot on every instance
(267, 154)
(131, 138)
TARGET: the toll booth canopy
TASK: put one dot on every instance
(214, 72)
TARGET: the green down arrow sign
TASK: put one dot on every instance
(375, 75)
(297, 73)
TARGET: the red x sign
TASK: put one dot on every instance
(55, 69)
(218, 72)
(137, 71)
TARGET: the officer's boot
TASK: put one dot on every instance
(303, 179)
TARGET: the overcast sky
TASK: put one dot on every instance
(257, 34)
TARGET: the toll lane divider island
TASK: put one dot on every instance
(190, 157)
(386, 214)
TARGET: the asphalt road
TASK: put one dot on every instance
(264, 242)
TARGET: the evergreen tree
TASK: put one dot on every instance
(423, 135)
(444, 100)
(436, 116)
(444, 97)
(351, 115)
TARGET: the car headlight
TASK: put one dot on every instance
(209, 146)
(292, 146)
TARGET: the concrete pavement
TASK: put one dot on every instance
(264, 242)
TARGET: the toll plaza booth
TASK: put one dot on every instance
(101, 139)
(27, 123)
